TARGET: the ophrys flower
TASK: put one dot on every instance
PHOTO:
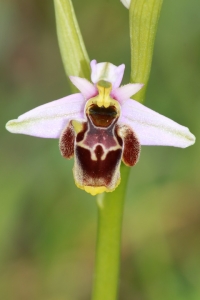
(100, 126)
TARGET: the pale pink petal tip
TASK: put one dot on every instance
(48, 120)
(153, 128)
(87, 89)
(119, 76)
(93, 63)
(126, 3)
(125, 92)
(108, 72)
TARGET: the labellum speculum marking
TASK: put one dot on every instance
(99, 144)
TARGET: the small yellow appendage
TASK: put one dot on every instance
(94, 190)
(103, 99)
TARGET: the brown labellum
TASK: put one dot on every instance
(98, 146)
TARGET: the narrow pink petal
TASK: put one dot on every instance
(48, 120)
(108, 72)
(152, 128)
(125, 92)
(87, 89)
(93, 65)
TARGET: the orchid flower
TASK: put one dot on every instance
(100, 126)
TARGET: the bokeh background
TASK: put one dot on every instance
(47, 225)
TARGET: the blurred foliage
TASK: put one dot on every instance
(47, 226)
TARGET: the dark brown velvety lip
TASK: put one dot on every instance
(98, 172)
(99, 145)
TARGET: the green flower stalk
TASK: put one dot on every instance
(110, 215)
(102, 128)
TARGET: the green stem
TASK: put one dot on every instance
(110, 212)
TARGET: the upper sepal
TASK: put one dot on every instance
(108, 72)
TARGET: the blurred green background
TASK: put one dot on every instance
(47, 226)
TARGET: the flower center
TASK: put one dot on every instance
(101, 116)
(103, 109)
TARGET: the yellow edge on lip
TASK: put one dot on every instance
(94, 190)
